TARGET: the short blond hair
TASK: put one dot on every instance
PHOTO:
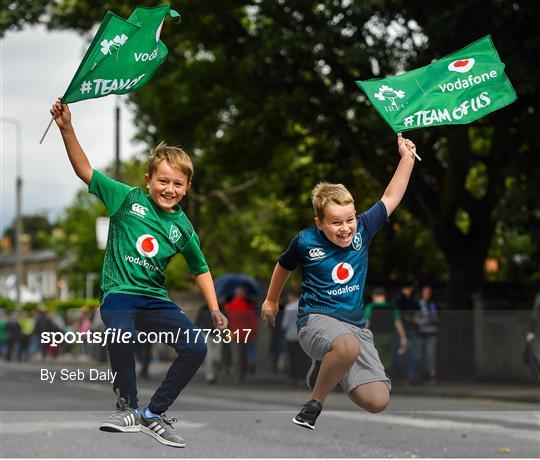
(325, 193)
(175, 156)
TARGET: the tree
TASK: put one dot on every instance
(16, 14)
(265, 90)
(37, 226)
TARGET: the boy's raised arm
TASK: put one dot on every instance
(398, 184)
(270, 305)
(77, 157)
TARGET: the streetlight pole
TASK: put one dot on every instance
(18, 206)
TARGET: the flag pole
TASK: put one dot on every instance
(416, 155)
(46, 130)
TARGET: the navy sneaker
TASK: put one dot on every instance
(308, 415)
(312, 374)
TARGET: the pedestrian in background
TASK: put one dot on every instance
(384, 320)
(276, 347)
(13, 335)
(27, 324)
(531, 354)
(243, 324)
(298, 360)
(408, 308)
(84, 326)
(213, 355)
(3, 335)
(428, 329)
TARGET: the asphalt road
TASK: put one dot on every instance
(60, 419)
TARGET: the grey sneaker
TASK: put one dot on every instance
(125, 419)
(161, 429)
(312, 374)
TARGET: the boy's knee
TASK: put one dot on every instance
(377, 404)
(347, 347)
(197, 350)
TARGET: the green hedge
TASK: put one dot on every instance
(61, 305)
(52, 305)
(6, 304)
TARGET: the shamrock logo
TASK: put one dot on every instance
(385, 92)
(115, 43)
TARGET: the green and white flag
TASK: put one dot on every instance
(123, 55)
(457, 89)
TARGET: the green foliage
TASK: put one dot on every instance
(29, 306)
(37, 226)
(262, 95)
(15, 14)
(6, 304)
(77, 239)
(72, 304)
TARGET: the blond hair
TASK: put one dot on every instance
(175, 156)
(325, 194)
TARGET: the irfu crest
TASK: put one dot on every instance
(174, 234)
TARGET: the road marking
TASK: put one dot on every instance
(411, 420)
(51, 426)
(436, 424)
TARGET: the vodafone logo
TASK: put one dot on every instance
(462, 65)
(147, 246)
(342, 273)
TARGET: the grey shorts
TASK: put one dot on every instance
(316, 339)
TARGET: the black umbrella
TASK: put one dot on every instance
(226, 285)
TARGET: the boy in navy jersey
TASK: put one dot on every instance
(334, 256)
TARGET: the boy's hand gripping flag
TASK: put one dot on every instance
(457, 89)
(122, 57)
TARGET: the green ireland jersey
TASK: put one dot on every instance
(142, 240)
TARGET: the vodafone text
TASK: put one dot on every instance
(344, 290)
(142, 262)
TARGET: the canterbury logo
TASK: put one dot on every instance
(138, 210)
(316, 253)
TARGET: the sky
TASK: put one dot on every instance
(36, 66)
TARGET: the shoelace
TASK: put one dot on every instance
(310, 408)
(122, 406)
(169, 421)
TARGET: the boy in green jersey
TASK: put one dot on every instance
(145, 232)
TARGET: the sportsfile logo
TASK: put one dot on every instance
(138, 210)
(316, 254)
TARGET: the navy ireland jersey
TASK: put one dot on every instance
(334, 277)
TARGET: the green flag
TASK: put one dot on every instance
(123, 55)
(457, 89)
